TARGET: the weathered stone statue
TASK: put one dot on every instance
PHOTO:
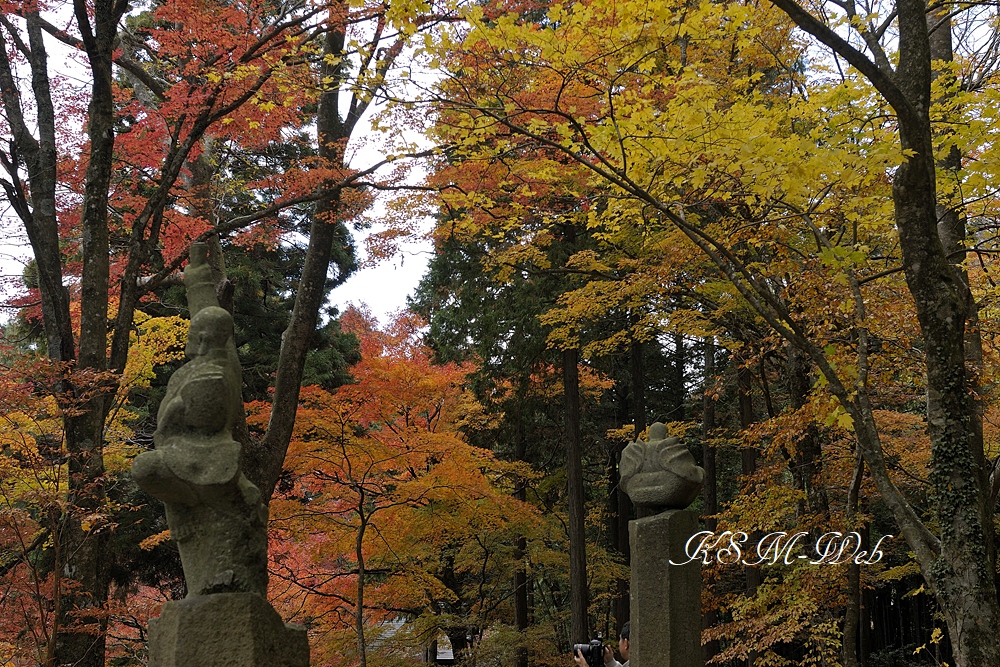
(661, 478)
(216, 515)
(660, 473)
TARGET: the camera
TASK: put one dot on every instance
(593, 652)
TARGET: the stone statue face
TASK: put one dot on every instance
(210, 329)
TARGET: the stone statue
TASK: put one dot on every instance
(660, 473)
(215, 513)
(661, 478)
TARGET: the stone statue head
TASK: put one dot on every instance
(660, 473)
(210, 329)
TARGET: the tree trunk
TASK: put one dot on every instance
(84, 544)
(808, 460)
(951, 228)
(708, 450)
(852, 615)
(958, 567)
(359, 606)
(710, 488)
(78, 632)
(748, 460)
(960, 574)
(623, 505)
(329, 241)
(520, 551)
(677, 393)
(579, 596)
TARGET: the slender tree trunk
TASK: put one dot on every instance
(748, 460)
(808, 460)
(520, 551)
(359, 609)
(852, 616)
(748, 455)
(579, 596)
(677, 387)
(35, 201)
(708, 450)
(329, 241)
(960, 575)
(951, 228)
(710, 488)
(623, 508)
(85, 430)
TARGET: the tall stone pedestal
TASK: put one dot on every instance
(665, 628)
(225, 630)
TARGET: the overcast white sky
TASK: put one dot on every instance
(385, 287)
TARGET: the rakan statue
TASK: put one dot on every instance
(662, 479)
(216, 515)
(660, 473)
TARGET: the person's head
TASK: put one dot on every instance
(623, 640)
(210, 329)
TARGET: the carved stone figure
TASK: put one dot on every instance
(215, 513)
(660, 473)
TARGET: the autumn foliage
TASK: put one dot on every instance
(770, 226)
(385, 512)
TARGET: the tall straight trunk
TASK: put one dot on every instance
(520, 551)
(35, 200)
(852, 615)
(359, 607)
(960, 575)
(78, 634)
(708, 462)
(951, 229)
(623, 504)
(807, 463)
(748, 455)
(85, 430)
(579, 596)
(678, 361)
(708, 450)
(748, 460)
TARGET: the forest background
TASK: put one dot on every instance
(770, 226)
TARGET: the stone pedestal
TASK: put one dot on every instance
(225, 630)
(665, 629)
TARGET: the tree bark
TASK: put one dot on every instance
(579, 596)
(520, 551)
(748, 461)
(78, 632)
(710, 488)
(623, 505)
(807, 464)
(678, 361)
(952, 231)
(708, 450)
(852, 615)
(328, 240)
(957, 567)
